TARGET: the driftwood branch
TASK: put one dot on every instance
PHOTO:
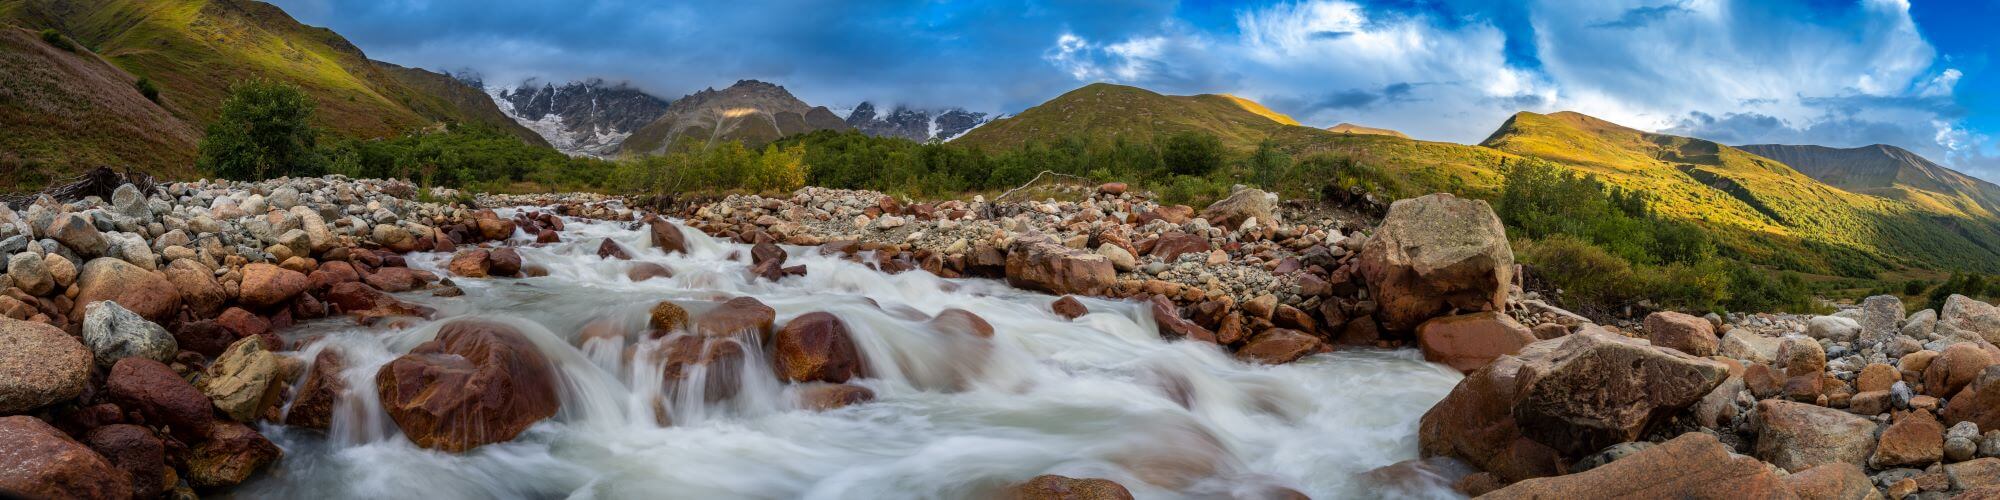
(1038, 178)
(100, 182)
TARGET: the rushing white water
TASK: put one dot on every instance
(1102, 396)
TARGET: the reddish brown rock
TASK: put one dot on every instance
(147, 293)
(395, 279)
(198, 288)
(815, 347)
(720, 359)
(738, 316)
(1041, 264)
(160, 395)
(1797, 436)
(265, 285)
(963, 322)
(642, 271)
(40, 366)
(1111, 188)
(366, 304)
(243, 323)
(1278, 346)
(823, 397)
(609, 249)
(1435, 253)
(667, 316)
(496, 229)
(1876, 377)
(479, 382)
(1955, 367)
(137, 452)
(666, 236)
(230, 455)
(1469, 341)
(1914, 439)
(1171, 326)
(1832, 482)
(38, 461)
(1682, 332)
(1173, 245)
(1694, 465)
(323, 388)
(472, 263)
(332, 273)
(1978, 402)
(1069, 308)
(1053, 487)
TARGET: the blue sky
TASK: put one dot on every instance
(1833, 72)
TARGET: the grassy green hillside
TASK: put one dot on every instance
(64, 112)
(1104, 110)
(195, 49)
(1762, 208)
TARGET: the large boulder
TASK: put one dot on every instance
(1042, 264)
(243, 382)
(145, 292)
(1694, 465)
(1683, 332)
(1433, 254)
(815, 347)
(1241, 206)
(266, 285)
(1954, 368)
(1835, 328)
(1833, 482)
(1965, 318)
(1798, 436)
(160, 395)
(1053, 487)
(1468, 341)
(136, 451)
(324, 387)
(1530, 414)
(114, 333)
(472, 263)
(39, 366)
(199, 290)
(230, 455)
(38, 461)
(738, 316)
(1881, 319)
(1978, 402)
(666, 236)
(1915, 439)
(478, 382)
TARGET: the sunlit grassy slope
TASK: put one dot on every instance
(1136, 114)
(65, 112)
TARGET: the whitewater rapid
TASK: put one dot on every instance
(1102, 396)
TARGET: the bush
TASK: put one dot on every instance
(1191, 153)
(57, 40)
(146, 88)
(1592, 281)
(265, 131)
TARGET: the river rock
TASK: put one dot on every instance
(478, 382)
(1694, 465)
(1069, 308)
(816, 347)
(1053, 487)
(1173, 245)
(1468, 341)
(1746, 345)
(1800, 357)
(1042, 264)
(1914, 439)
(159, 394)
(324, 387)
(1121, 260)
(1242, 205)
(1881, 320)
(1682, 332)
(1955, 367)
(1435, 253)
(1168, 322)
(823, 397)
(136, 451)
(1920, 324)
(243, 382)
(1965, 318)
(1978, 402)
(667, 316)
(738, 316)
(472, 263)
(1833, 481)
(666, 236)
(266, 285)
(610, 249)
(961, 322)
(1278, 346)
(30, 274)
(1798, 436)
(199, 290)
(114, 333)
(144, 292)
(38, 461)
(230, 455)
(39, 366)
(505, 262)
(74, 230)
(1974, 474)
(1835, 328)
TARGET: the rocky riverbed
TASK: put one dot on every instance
(215, 337)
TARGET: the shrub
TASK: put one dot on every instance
(57, 40)
(1191, 153)
(146, 88)
(1592, 281)
(265, 131)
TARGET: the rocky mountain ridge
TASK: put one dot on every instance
(586, 117)
(750, 111)
(921, 125)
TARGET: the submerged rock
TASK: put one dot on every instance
(1053, 487)
(478, 383)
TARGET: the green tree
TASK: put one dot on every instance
(148, 89)
(1267, 163)
(265, 131)
(1191, 153)
(57, 40)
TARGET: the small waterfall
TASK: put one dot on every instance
(956, 413)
